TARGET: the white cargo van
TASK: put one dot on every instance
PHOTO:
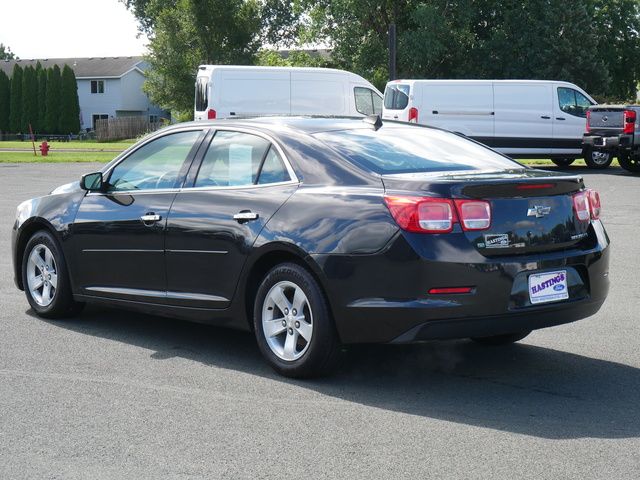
(520, 118)
(226, 91)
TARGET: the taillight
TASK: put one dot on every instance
(413, 115)
(594, 204)
(588, 127)
(438, 215)
(629, 121)
(211, 114)
(581, 205)
(422, 214)
(474, 214)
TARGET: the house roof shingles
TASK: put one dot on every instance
(93, 67)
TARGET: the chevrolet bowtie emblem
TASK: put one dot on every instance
(538, 211)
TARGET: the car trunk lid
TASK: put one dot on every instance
(531, 211)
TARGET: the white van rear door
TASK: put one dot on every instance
(569, 120)
(252, 92)
(523, 118)
(397, 101)
(318, 93)
(465, 108)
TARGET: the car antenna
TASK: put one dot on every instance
(374, 120)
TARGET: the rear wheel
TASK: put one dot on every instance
(293, 324)
(563, 162)
(597, 159)
(629, 162)
(501, 339)
(45, 278)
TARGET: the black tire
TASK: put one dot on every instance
(563, 162)
(597, 159)
(319, 355)
(497, 340)
(629, 162)
(62, 304)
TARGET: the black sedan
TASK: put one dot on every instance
(317, 232)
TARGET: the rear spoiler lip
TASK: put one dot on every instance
(560, 184)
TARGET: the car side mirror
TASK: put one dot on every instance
(92, 181)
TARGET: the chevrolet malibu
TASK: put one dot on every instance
(317, 232)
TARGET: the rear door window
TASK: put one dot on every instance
(273, 169)
(236, 159)
(202, 93)
(396, 96)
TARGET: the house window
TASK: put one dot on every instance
(98, 116)
(154, 118)
(97, 86)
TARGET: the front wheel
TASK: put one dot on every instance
(497, 340)
(293, 324)
(597, 159)
(45, 278)
(629, 162)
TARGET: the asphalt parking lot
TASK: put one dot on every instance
(119, 395)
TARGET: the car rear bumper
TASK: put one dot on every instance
(384, 298)
(605, 142)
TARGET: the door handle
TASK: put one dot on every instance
(150, 217)
(546, 117)
(245, 216)
(560, 118)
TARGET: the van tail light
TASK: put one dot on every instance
(211, 114)
(581, 205)
(422, 214)
(474, 214)
(629, 121)
(588, 127)
(438, 215)
(594, 204)
(413, 115)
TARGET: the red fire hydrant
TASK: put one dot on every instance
(44, 148)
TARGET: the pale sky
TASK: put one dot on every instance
(69, 28)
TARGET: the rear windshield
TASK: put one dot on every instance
(396, 96)
(392, 150)
(202, 94)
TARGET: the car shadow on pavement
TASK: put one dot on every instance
(520, 388)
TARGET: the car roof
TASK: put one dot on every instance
(302, 124)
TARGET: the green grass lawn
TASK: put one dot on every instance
(543, 162)
(56, 157)
(76, 144)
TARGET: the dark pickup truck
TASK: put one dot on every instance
(615, 130)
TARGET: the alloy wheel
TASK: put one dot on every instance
(287, 321)
(42, 275)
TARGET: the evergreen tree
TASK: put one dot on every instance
(52, 116)
(35, 122)
(42, 99)
(29, 95)
(70, 110)
(5, 99)
(15, 107)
